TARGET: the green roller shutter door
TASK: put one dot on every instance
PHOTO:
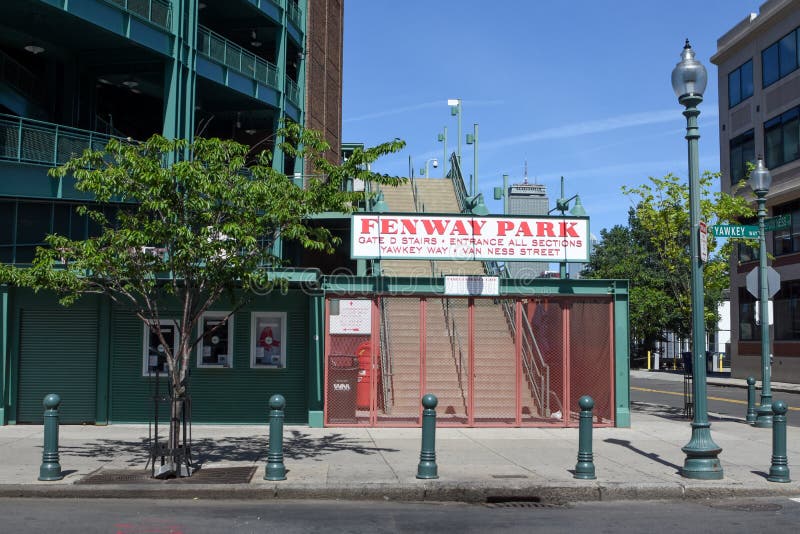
(58, 354)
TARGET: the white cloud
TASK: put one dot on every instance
(591, 127)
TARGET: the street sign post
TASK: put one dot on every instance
(733, 231)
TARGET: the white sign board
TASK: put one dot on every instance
(473, 286)
(466, 237)
(703, 242)
(352, 317)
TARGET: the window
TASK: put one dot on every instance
(779, 59)
(782, 138)
(742, 151)
(740, 84)
(268, 340)
(787, 311)
(155, 355)
(215, 349)
(787, 241)
(748, 329)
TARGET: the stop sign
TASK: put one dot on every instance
(773, 282)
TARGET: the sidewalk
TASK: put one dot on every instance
(474, 464)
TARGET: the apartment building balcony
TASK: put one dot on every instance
(29, 148)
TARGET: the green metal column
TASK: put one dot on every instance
(316, 319)
(4, 318)
(702, 454)
(180, 75)
(764, 412)
(280, 63)
(103, 399)
(622, 406)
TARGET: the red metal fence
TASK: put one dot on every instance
(491, 362)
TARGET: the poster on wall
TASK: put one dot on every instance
(215, 347)
(268, 340)
(350, 316)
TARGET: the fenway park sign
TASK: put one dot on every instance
(467, 237)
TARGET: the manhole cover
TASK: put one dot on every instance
(218, 475)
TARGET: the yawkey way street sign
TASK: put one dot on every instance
(778, 222)
(735, 230)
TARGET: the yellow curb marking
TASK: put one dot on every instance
(733, 401)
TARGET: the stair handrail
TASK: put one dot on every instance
(458, 182)
(536, 373)
(387, 374)
(455, 345)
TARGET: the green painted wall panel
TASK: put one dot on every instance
(57, 354)
(219, 395)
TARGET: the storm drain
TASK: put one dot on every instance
(520, 502)
(217, 475)
(509, 476)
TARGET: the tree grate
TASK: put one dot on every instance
(218, 475)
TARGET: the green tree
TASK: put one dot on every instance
(195, 222)
(658, 261)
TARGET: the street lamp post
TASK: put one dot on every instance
(689, 80)
(503, 193)
(760, 180)
(426, 172)
(562, 205)
(472, 139)
(443, 139)
(455, 109)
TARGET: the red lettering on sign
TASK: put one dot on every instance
(545, 228)
(435, 227)
(503, 227)
(367, 224)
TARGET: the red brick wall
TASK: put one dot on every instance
(324, 71)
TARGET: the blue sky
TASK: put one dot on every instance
(579, 88)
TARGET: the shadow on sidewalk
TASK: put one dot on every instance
(651, 455)
(296, 446)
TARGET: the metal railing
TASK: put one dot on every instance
(44, 143)
(458, 182)
(20, 78)
(292, 91)
(457, 350)
(537, 372)
(221, 50)
(158, 12)
(386, 360)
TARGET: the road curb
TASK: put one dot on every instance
(426, 491)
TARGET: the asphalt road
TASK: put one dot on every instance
(141, 516)
(722, 401)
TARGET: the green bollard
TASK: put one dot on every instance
(779, 470)
(50, 468)
(427, 467)
(584, 469)
(751, 400)
(275, 469)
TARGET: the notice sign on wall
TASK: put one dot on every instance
(466, 237)
(350, 316)
(472, 286)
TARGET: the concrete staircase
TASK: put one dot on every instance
(446, 365)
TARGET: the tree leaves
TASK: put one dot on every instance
(193, 221)
(653, 252)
